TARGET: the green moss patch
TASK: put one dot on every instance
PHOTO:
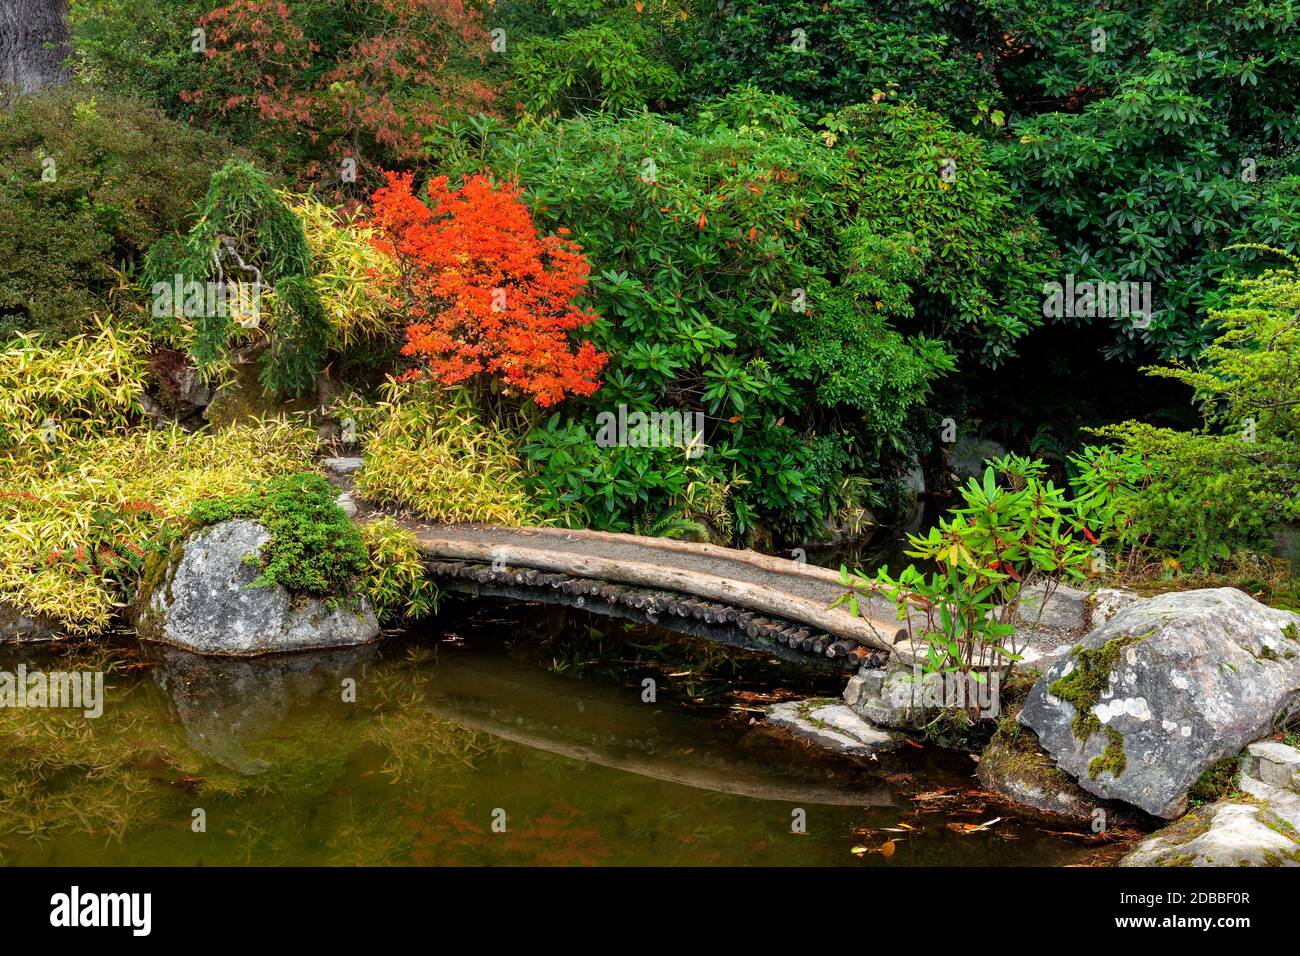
(1082, 688)
(1112, 760)
(314, 548)
(1217, 782)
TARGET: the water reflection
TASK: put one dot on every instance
(443, 740)
(226, 706)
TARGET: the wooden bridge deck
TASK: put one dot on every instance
(769, 598)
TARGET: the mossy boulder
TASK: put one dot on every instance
(1222, 834)
(1014, 766)
(244, 399)
(1163, 690)
(204, 597)
(1244, 831)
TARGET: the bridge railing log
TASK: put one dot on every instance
(759, 560)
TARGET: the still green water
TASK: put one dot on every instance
(525, 716)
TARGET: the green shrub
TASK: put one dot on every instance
(245, 237)
(974, 261)
(314, 547)
(1150, 146)
(86, 186)
(1226, 486)
(853, 359)
(576, 482)
(142, 48)
(772, 278)
(1008, 536)
(615, 64)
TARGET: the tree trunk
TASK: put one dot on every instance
(33, 45)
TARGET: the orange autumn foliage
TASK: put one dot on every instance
(491, 296)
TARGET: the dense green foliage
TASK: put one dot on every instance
(87, 184)
(314, 549)
(754, 268)
(1173, 140)
(815, 235)
(833, 54)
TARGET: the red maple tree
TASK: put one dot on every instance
(399, 73)
(491, 295)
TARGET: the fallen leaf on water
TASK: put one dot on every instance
(885, 849)
(973, 827)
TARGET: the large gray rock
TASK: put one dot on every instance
(1258, 827)
(829, 725)
(17, 627)
(204, 601)
(1168, 686)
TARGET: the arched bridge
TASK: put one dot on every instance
(739, 597)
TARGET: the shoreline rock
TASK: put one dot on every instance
(1166, 688)
(203, 600)
(1258, 827)
(829, 725)
(18, 627)
(1014, 766)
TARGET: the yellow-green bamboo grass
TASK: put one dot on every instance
(70, 517)
(395, 579)
(357, 284)
(86, 385)
(431, 454)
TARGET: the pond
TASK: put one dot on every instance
(494, 733)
